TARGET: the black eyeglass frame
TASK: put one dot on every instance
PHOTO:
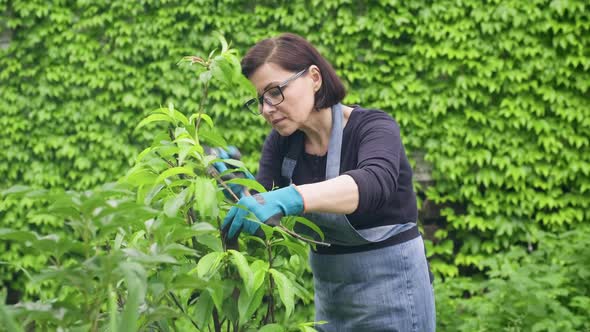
(259, 100)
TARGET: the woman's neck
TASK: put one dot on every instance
(318, 128)
(317, 132)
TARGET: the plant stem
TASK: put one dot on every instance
(201, 106)
(295, 235)
(177, 303)
(216, 320)
(270, 312)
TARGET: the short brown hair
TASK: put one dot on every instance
(294, 53)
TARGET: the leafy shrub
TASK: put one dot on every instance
(526, 289)
(147, 253)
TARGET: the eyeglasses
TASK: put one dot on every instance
(271, 96)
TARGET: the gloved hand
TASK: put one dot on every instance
(231, 153)
(268, 207)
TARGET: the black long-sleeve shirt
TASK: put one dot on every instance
(372, 154)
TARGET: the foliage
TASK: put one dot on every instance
(526, 289)
(147, 253)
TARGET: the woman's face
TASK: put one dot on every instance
(293, 112)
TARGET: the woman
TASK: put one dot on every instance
(345, 169)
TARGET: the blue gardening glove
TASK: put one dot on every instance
(231, 153)
(268, 207)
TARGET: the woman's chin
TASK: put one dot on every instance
(284, 131)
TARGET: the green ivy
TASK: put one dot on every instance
(494, 93)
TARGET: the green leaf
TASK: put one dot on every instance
(210, 241)
(212, 138)
(252, 184)
(180, 117)
(17, 189)
(272, 328)
(7, 320)
(147, 200)
(135, 277)
(203, 310)
(209, 264)
(142, 154)
(309, 224)
(177, 249)
(285, 290)
(294, 247)
(221, 38)
(10, 234)
(154, 118)
(205, 117)
(139, 176)
(141, 257)
(113, 310)
(244, 270)
(233, 162)
(215, 289)
(174, 171)
(205, 197)
(173, 204)
(203, 227)
(247, 304)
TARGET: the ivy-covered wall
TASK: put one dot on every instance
(494, 94)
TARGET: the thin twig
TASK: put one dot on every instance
(166, 160)
(216, 320)
(201, 106)
(295, 235)
(213, 172)
(270, 309)
(175, 300)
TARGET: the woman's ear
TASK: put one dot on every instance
(316, 77)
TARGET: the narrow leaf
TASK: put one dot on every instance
(174, 171)
(203, 310)
(244, 270)
(212, 137)
(310, 224)
(209, 264)
(154, 118)
(252, 184)
(272, 328)
(247, 304)
(285, 290)
(173, 204)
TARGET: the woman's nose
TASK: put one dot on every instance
(267, 109)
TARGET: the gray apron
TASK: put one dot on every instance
(386, 289)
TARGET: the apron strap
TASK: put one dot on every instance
(335, 144)
(290, 160)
